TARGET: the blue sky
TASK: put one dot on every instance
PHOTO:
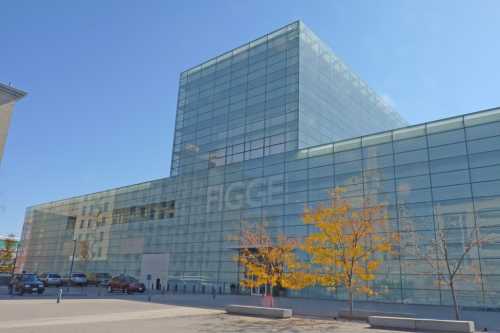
(102, 76)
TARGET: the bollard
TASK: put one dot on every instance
(59, 295)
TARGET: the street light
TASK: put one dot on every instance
(15, 259)
(72, 262)
(11, 289)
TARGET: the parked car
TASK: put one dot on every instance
(5, 278)
(102, 279)
(51, 279)
(98, 279)
(78, 279)
(125, 283)
(27, 283)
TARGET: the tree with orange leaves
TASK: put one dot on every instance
(349, 245)
(7, 254)
(84, 252)
(269, 262)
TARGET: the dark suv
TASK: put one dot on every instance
(27, 283)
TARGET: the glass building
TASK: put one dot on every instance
(283, 91)
(263, 159)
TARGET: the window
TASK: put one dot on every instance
(456, 149)
(413, 169)
(411, 157)
(412, 183)
(410, 144)
(449, 164)
(451, 192)
(483, 145)
(490, 188)
(450, 178)
(484, 159)
(483, 131)
(446, 138)
(486, 173)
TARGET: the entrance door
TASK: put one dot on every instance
(154, 266)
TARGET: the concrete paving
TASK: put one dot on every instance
(127, 316)
(306, 307)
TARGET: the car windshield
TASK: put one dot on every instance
(54, 276)
(30, 278)
(79, 275)
(102, 275)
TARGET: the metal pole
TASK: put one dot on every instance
(11, 287)
(15, 260)
(72, 262)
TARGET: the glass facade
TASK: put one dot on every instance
(240, 105)
(283, 91)
(335, 103)
(433, 176)
(442, 173)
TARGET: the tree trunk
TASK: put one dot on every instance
(351, 304)
(455, 302)
(271, 295)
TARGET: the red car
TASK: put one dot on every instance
(125, 284)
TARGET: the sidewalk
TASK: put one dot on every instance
(300, 306)
(327, 308)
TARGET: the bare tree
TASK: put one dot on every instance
(448, 258)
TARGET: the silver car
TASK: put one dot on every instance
(51, 279)
(78, 279)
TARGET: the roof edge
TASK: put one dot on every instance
(14, 92)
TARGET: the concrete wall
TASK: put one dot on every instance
(5, 115)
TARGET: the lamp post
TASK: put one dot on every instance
(11, 287)
(15, 260)
(72, 262)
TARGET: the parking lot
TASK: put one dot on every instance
(23, 315)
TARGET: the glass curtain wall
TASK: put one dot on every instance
(440, 175)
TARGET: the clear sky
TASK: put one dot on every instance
(102, 76)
